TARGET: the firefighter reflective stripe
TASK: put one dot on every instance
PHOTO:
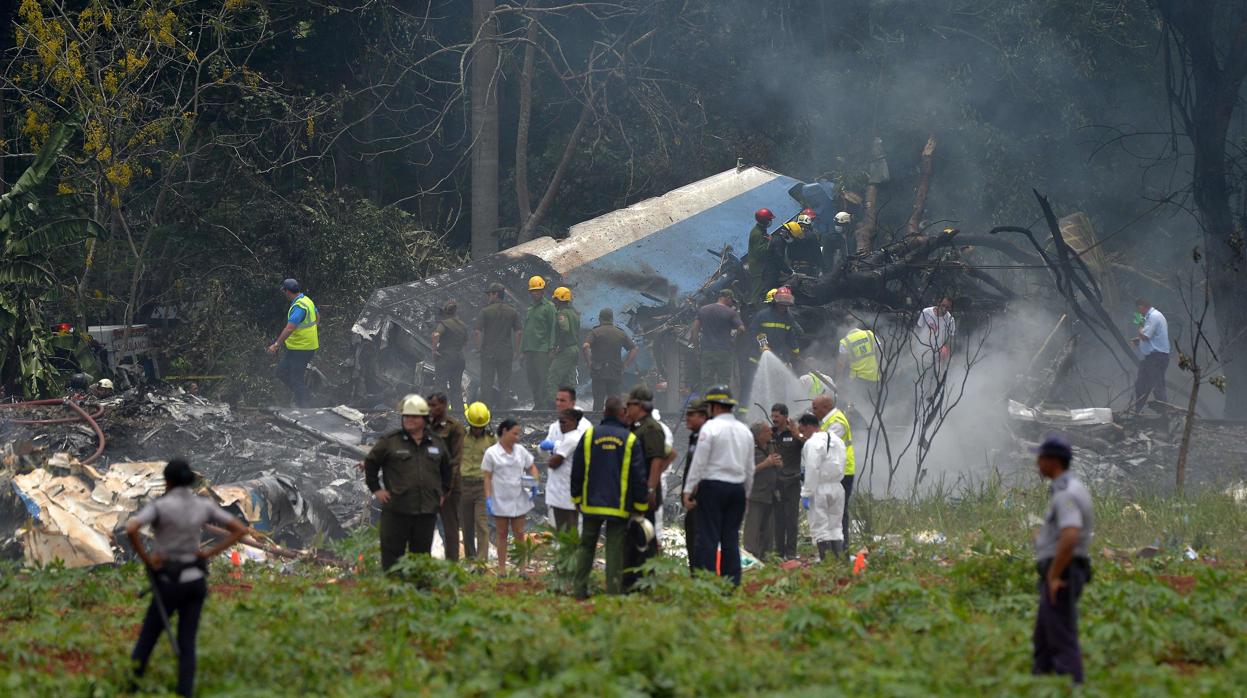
(837, 416)
(623, 509)
(777, 325)
(861, 347)
(305, 335)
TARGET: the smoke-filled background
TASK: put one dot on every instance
(370, 143)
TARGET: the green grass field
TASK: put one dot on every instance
(950, 618)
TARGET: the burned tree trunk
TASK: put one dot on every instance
(913, 225)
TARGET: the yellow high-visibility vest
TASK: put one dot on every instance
(860, 346)
(304, 336)
(837, 416)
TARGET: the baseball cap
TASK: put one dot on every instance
(1054, 446)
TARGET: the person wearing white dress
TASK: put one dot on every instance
(503, 466)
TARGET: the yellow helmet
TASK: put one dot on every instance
(478, 414)
(794, 229)
(413, 406)
(770, 296)
(536, 283)
(563, 293)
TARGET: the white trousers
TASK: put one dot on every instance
(827, 513)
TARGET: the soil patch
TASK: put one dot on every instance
(1181, 584)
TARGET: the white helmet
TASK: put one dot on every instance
(805, 219)
(843, 218)
(104, 384)
(413, 405)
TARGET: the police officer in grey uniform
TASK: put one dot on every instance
(177, 565)
(1063, 561)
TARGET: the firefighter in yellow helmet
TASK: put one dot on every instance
(408, 470)
(537, 343)
(473, 517)
(806, 250)
(776, 267)
(566, 350)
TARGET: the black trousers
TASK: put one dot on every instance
(290, 369)
(403, 533)
(847, 483)
(1151, 379)
(720, 511)
(604, 386)
(787, 518)
(635, 557)
(1056, 624)
(495, 389)
(449, 515)
(448, 378)
(186, 601)
(690, 537)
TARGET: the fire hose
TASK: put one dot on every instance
(81, 415)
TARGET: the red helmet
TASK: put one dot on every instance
(764, 216)
(809, 212)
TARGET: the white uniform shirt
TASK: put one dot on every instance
(559, 480)
(935, 331)
(724, 453)
(822, 457)
(510, 499)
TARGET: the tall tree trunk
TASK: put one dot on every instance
(556, 179)
(484, 106)
(1206, 107)
(523, 199)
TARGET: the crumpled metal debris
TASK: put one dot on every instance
(74, 509)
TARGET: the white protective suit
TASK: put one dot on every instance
(822, 458)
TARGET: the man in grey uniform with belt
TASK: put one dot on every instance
(1063, 562)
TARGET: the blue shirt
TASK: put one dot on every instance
(296, 314)
(1156, 331)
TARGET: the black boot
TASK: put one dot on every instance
(837, 548)
(822, 550)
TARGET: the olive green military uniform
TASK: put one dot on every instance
(453, 433)
(497, 323)
(756, 257)
(472, 514)
(450, 361)
(566, 354)
(606, 341)
(654, 445)
(416, 475)
(536, 347)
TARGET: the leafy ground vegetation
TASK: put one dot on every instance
(950, 617)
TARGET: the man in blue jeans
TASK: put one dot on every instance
(719, 478)
(300, 339)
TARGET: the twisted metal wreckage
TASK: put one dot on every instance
(291, 473)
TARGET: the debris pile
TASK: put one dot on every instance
(292, 481)
(1136, 452)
